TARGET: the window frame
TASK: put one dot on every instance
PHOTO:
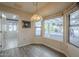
(73, 10)
(62, 28)
(37, 27)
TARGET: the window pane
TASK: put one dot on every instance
(74, 28)
(46, 25)
(37, 31)
(54, 28)
(38, 24)
(10, 27)
(15, 28)
(38, 28)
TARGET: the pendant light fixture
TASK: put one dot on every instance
(36, 17)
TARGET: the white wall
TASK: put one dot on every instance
(25, 34)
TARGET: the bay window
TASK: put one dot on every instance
(54, 28)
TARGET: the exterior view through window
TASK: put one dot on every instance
(74, 28)
(38, 28)
(54, 28)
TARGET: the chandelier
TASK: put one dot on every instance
(36, 17)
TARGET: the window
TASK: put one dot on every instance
(12, 26)
(38, 28)
(74, 28)
(54, 28)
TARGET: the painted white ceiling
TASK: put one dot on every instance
(44, 8)
(25, 6)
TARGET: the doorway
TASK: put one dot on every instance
(9, 31)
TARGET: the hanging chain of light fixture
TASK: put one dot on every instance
(36, 17)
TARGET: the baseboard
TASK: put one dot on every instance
(24, 44)
(56, 49)
(18, 46)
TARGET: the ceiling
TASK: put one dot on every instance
(44, 8)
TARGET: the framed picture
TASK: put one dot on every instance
(26, 24)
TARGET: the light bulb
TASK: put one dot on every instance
(36, 17)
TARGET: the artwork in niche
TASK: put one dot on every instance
(26, 24)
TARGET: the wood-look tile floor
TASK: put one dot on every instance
(32, 51)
